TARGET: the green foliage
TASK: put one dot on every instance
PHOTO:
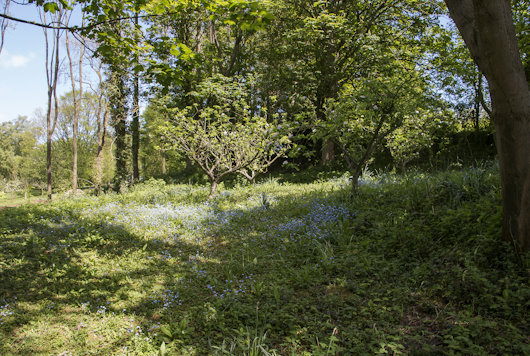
(221, 133)
(417, 134)
(368, 111)
(410, 265)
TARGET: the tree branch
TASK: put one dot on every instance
(80, 28)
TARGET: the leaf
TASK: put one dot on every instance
(163, 350)
(165, 329)
(51, 7)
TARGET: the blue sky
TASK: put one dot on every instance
(22, 69)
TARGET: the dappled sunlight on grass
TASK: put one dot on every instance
(292, 268)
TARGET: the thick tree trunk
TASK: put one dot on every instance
(488, 30)
(513, 145)
(118, 116)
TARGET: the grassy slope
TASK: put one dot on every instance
(407, 265)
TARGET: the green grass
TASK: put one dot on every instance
(408, 265)
(19, 198)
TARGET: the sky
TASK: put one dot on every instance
(23, 87)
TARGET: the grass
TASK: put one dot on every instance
(408, 265)
(18, 198)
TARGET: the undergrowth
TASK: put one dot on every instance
(410, 265)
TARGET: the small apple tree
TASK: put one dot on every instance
(222, 133)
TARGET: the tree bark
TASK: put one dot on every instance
(52, 71)
(213, 188)
(488, 31)
(102, 132)
(163, 157)
(77, 97)
(135, 124)
(328, 152)
(118, 116)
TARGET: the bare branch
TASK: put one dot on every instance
(3, 24)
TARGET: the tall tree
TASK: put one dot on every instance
(117, 97)
(135, 124)
(101, 112)
(4, 23)
(315, 47)
(488, 30)
(77, 97)
(52, 62)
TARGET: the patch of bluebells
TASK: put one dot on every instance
(323, 216)
(167, 298)
(165, 255)
(101, 310)
(235, 287)
(6, 310)
(176, 220)
(154, 329)
(195, 261)
(137, 330)
(162, 220)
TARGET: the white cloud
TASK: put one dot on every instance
(8, 60)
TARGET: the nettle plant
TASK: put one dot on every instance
(223, 133)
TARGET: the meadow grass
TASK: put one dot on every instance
(406, 265)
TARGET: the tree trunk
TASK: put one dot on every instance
(77, 97)
(328, 152)
(102, 132)
(118, 116)
(52, 72)
(404, 168)
(213, 188)
(355, 175)
(476, 109)
(135, 130)
(49, 167)
(488, 30)
(163, 156)
(135, 124)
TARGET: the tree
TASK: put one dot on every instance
(315, 47)
(135, 124)
(416, 134)
(117, 99)
(367, 111)
(77, 97)
(220, 133)
(52, 73)
(20, 156)
(4, 23)
(266, 155)
(488, 30)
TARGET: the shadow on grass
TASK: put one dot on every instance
(56, 262)
(302, 267)
(53, 262)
